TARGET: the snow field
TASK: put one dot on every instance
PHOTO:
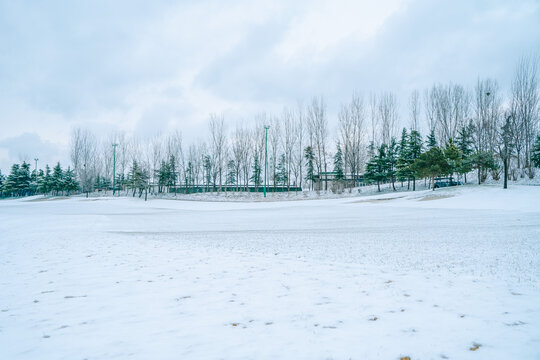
(428, 275)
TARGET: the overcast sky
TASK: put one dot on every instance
(153, 66)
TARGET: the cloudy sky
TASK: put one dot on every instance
(147, 67)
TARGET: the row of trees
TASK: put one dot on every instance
(21, 181)
(493, 132)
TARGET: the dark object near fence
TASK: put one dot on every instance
(441, 182)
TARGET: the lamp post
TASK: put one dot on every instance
(266, 127)
(114, 169)
(36, 160)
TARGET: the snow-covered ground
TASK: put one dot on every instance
(450, 274)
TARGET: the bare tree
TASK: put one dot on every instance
(526, 106)
(288, 142)
(274, 135)
(83, 157)
(218, 147)
(299, 133)
(414, 110)
(318, 130)
(487, 109)
(387, 115)
(374, 116)
(447, 108)
(351, 119)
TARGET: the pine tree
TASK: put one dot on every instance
(430, 164)
(483, 161)
(189, 175)
(535, 157)
(207, 165)
(310, 159)
(231, 173)
(415, 150)
(173, 173)
(377, 168)
(138, 179)
(453, 156)
(57, 179)
(256, 173)
(338, 163)
(391, 160)
(2, 179)
(45, 181)
(70, 181)
(39, 181)
(431, 141)
(163, 174)
(403, 170)
(281, 174)
(464, 143)
(24, 179)
(11, 186)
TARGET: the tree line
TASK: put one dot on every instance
(451, 130)
(22, 181)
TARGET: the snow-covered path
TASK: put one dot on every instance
(448, 274)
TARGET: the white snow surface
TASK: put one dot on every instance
(446, 274)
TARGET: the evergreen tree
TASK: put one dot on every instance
(173, 173)
(70, 181)
(281, 174)
(403, 170)
(120, 182)
(231, 173)
(24, 179)
(535, 157)
(11, 185)
(57, 179)
(483, 161)
(430, 164)
(163, 175)
(138, 179)
(402, 162)
(464, 143)
(377, 168)
(189, 175)
(2, 179)
(207, 165)
(391, 160)
(338, 163)
(256, 172)
(415, 150)
(431, 141)
(39, 181)
(45, 181)
(310, 160)
(453, 156)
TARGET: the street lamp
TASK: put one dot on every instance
(266, 127)
(114, 169)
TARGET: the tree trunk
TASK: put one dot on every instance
(505, 186)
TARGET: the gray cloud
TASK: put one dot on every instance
(153, 67)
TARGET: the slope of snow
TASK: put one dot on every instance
(453, 273)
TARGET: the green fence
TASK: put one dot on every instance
(232, 188)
